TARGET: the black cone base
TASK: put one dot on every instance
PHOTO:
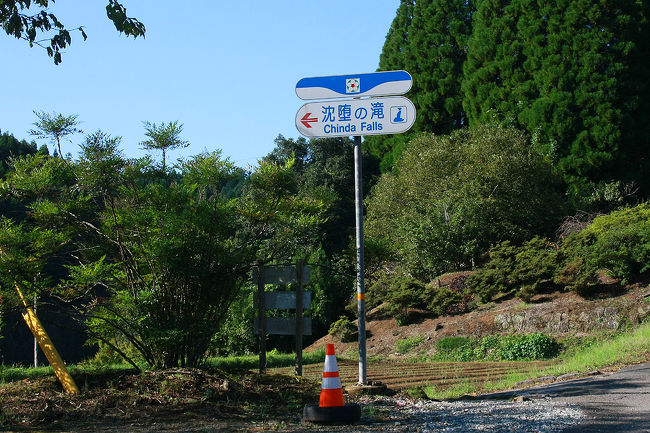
(349, 413)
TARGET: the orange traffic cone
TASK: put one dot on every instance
(331, 407)
(331, 393)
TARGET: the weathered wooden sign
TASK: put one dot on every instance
(297, 300)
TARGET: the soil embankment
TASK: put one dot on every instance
(559, 314)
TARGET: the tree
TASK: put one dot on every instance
(325, 169)
(11, 147)
(155, 257)
(429, 40)
(18, 20)
(163, 137)
(55, 127)
(569, 73)
(451, 197)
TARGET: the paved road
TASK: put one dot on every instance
(617, 402)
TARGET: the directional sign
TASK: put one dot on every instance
(373, 116)
(368, 84)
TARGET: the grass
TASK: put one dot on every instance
(404, 346)
(623, 349)
(12, 374)
(273, 359)
(246, 362)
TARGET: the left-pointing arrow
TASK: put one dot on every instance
(306, 120)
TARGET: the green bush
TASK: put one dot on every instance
(617, 243)
(522, 270)
(446, 301)
(400, 293)
(488, 348)
(496, 348)
(344, 329)
(533, 346)
(451, 197)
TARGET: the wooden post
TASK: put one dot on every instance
(261, 314)
(48, 348)
(299, 325)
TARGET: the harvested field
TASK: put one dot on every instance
(400, 376)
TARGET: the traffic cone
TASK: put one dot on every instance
(331, 408)
(331, 393)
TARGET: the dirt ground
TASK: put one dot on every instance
(558, 314)
(210, 401)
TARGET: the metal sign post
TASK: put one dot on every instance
(356, 117)
(361, 290)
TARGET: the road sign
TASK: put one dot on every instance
(374, 116)
(356, 85)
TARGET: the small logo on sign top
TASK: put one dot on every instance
(352, 85)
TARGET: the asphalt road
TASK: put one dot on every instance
(616, 402)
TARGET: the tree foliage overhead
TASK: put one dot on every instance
(570, 73)
(325, 168)
(30, 20)
(163, 137)
(11, 147)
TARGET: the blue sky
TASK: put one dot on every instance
(226, 70)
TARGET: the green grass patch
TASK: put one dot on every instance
(586, 354)
(231, 363)
(406, 345)
(628, 348)
(435, 393)
(12, 374)
(273, 359)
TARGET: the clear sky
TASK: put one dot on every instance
(226, 70)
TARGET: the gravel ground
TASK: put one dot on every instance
(495, 416)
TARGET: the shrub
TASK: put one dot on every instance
(458, 349)
(524, 270)
(617, 243)
(344, 329)
(447, 301)
(497, 274)
(533, 346)
(400, 293)
(451, 197)
(488, 348)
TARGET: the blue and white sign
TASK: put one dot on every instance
(368, 84)
(374, 116)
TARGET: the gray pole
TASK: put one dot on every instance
(361, 291)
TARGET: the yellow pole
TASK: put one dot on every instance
(48, 348)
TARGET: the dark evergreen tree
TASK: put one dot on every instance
(572, 74)
(11, 147)
(427, 38)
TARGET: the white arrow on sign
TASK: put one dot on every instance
(374, 116)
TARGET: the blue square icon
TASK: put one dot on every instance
(398, 114)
